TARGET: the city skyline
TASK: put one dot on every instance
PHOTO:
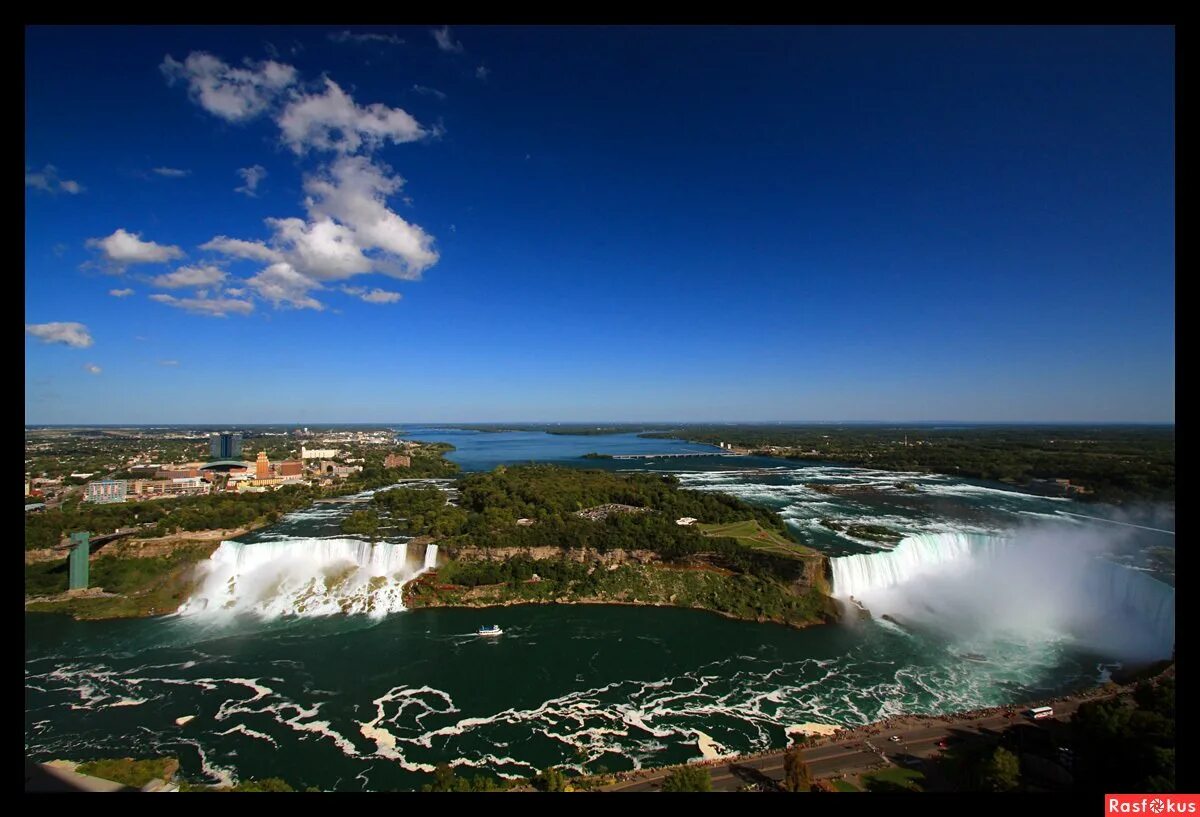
(473, 224)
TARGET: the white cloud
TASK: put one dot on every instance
(120, 293)
(427, 91)
(333, 121)
(47, 180)
(200, 276)
(446, 41)
(321, 249)
(251, 176)
(215, 307)
(238, 248)
(172, 172)
(374, 296)
(92, 368)
(234, 94)
(482, 72)
(68, 333)
(128, 248)
(168, 363)
(368, 37)
(282, 285)
(355, 193)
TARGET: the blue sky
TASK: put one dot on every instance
(500, 224)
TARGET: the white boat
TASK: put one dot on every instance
(489, 629)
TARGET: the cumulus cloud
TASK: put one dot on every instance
(282, 285)
(199, 276)
(367, 37)
(120, 293)
(66, 332)
(355, 191)
(234, 94)
(172, 172)
(374, 296)
(445, 40)
(349, 231)
(214, 307)
(92, 368)
(238, 248)
(332, 120)
(168, 363)
(128, 248)
(251, 176)
(427, 91)
(47, 180)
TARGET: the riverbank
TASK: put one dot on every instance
(122, 585)
(634, 583)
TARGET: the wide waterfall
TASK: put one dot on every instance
(430, 557)
(1030, 580)
(306, 577)
(854, 576)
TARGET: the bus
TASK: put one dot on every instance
(1039, 712)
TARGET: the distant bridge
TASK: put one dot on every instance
(99, 541)
(676, 456)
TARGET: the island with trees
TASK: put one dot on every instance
(542, 533)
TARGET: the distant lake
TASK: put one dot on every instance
(484, 450)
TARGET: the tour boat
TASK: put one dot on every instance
(489, 629)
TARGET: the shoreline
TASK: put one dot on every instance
(595, 602)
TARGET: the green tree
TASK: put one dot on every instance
(1001, 771)
(688, 778)
(550, 779)
(796, 776)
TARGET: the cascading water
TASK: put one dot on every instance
(306, 577)
(962, 582)
(431, 557)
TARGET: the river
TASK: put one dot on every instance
(372, 702)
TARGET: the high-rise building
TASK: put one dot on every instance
(225, 445)
(262, 467)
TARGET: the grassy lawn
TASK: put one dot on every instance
(895, 778)
(752, 534)
(844, 785)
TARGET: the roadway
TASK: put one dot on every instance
(855, 754)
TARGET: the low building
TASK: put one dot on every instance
(397, 461)
(291, 468)
(317, 453)
(266, 484)
(106, 491)
(182, 472)
(686, 520)
(158, 488)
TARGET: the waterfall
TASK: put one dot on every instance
(917, 555)
(306, 577)
(1022, 580)
(430, 557)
